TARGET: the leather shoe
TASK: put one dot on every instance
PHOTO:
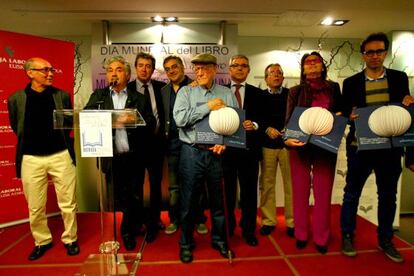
(129, 242)
(39, 251)
(322, 249)
(224, 250)
(72, 248)
(186, 256)
(300, 244)
(251, 240)
(266, 230)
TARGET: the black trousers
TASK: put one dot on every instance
(243, 165)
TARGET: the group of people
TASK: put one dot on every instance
(200, 173)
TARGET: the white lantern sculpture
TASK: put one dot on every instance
(224, 121)
(389, 120)
(316, 121)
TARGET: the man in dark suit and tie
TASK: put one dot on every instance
(121, 171)
(154, 142)
(243, 164)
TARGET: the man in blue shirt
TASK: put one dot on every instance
(201, 164)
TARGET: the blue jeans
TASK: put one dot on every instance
(386, 164)
(198, 168)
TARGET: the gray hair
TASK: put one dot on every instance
(238, 56)
(121, 60)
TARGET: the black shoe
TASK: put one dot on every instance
(72, 248)
(322, 249)
(39, 251)
(347, 246)
(301, 244)
(251, 239)
(266, 230)
(224, 250)
(186, 256)
(390, 251)
(152, 234)
(129, 242)
(290, 231)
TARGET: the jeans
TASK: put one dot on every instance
(198, 168)
(386, 164)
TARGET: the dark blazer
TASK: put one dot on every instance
(165, 94)
(17, 107)
(157, 86)
(252, 105)
(102, 99)
(354, 95)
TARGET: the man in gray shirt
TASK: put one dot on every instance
(201, 164)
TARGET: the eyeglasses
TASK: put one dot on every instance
(173, 67)
(236, 65)
(311, 61)
(44, 70)
(371, 53)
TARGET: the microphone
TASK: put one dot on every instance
(113, 82)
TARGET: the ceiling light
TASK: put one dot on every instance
(333, 22)
(157, 18)
(161, 19)
(171, 19)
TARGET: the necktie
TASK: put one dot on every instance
(237, 94)
(146, 91)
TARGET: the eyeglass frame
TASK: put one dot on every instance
(236, 65)
(371, 53)
(45, 70)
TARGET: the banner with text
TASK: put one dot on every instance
(186, 52)
(15, 49)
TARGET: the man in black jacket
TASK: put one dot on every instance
(154, 142)
(375, 85)
(243, 164)
(124, 172)
(42, 151)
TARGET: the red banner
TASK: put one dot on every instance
(15, 49)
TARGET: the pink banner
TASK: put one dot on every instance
(15, 49)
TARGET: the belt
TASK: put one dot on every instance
(200, 146)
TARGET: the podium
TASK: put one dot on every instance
(96, 140)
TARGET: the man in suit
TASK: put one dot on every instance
(274, 152)
(43, 151)
(125, 170)
(174, 68)
(155, 141)
(375, 85)
(243, 164)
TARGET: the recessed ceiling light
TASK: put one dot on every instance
(157, 18)
(327, 21)
(171, 19)
(334, 22)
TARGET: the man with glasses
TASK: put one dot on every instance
(154, 141)
(201, 164)
(375, 85)
(174, 68)
(274, 152)
(243, 164)
(43, 151)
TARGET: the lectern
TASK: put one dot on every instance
(96, 131)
